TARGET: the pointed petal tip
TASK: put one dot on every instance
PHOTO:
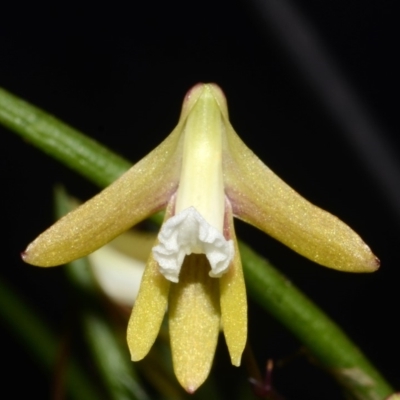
(375, 264)
(192, 95)
(236, 361)
(191, 384)
(136, 357)
(201, 86)
(138, 348)
(36, 256)
(197, 87)
(369, 265)
(196, 90)
(191, 389)
(366, 263)
(29, 257)
(24, 255)
(204, 89)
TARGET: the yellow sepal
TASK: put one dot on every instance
(233, 299)
(150, 306)
(261, 198)
(194, 322)
(143, 190)
(148, 311)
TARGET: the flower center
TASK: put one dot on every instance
(186, 233)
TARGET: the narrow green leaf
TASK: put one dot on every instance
(111, 356)
(60, 141)
(322, 337)
(41, 342)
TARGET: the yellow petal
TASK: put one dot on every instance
(140, 192)
(150, 306)
(262, 199)
(148, 311)
(194, 322)
(143, 190)
(233, 299)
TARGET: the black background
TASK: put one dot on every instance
(119, 72)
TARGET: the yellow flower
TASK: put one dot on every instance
(203, 175)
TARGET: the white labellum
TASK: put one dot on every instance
(186, 233)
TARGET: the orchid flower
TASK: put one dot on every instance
(203, 175)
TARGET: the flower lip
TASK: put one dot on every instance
(186, 233)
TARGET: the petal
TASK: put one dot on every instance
(194, 322)
(150, 306)
(118, 266)
(186, 233)
(118, 276)
(140, 192)
(233, 299)
(148, 311)
(262, 199)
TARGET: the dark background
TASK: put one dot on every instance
(119, 73)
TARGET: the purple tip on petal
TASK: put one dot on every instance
(190, 91)
(191, 389)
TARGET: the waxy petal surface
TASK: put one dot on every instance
(140, 192)
(148, 311)
(233, 298)
(194, 322)
(262, 199)
(150, 306)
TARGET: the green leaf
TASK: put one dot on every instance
(111, 356)
(41, 342)
(60, 141)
